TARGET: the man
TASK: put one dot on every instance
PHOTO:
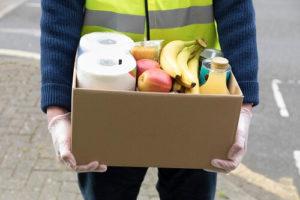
(62, 24)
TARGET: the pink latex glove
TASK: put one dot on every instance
(60, 129)
(239, 148)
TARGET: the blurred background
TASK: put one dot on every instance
(270, 171)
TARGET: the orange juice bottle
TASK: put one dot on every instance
(217, 78)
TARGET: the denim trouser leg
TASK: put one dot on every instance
(123, 183)
(181, 184)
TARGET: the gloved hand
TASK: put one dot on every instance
(238, 150)
(60, 129)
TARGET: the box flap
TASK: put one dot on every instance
(233, 86)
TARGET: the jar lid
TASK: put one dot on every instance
(211, 53)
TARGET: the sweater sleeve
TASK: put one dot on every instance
(237, 34)
(61, 24)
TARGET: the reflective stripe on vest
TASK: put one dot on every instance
(168, 19)
(115, 21)
(181, 17)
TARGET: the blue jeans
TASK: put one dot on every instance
(123, 183)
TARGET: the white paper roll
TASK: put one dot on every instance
(103, 41)
(106, 71)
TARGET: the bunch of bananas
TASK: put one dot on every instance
(180, 59)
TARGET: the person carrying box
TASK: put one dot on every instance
(229, 24)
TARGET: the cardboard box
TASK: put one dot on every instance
(128, 128)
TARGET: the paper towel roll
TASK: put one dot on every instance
(103, 41)
(106, 71)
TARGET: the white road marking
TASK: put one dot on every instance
(299, 82)
(297, 160)
(21, 54)
(33, 5)
(285, 190)
(279, 99)
(30, 32)
(10, 8)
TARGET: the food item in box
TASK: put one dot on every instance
(169, 59)
(145, 64)
(155, 80)
(168, 56)
(210, 53)
(106, 71)
(187, 79)
(204, 71)
(206, 56)
(178, 88)
(101, 42)
(147, 50)
(140, 52)
(217, 82)
(193, 66)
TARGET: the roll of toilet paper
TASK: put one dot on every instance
(103, 41)
(106, 71)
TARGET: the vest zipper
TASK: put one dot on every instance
(147, 20)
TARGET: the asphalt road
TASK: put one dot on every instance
(274, 139)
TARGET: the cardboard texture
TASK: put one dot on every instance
(124, 128)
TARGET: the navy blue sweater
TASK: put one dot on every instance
(61, 25)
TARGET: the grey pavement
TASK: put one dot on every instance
(28, 169)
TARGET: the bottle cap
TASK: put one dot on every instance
(219, 63)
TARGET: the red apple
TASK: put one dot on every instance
(155, 80)
(145, 64)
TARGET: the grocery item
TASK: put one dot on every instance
(178, 88)
(216, 82)
(102, 42)
(168, 56)
(187, 79)
(193, 66)
(210, 53)
(206, 56)
(147, 50)
(204, 71)
(155, 80)
(107, 71)
(145, 64)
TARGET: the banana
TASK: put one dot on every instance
(202, 43)
(169, 54)
(178, 88)
(187, 79)
(193, 66)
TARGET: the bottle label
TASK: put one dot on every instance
(204, 73)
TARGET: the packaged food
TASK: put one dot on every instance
(205, 57)
(217, 77)
(211, 53)
(147, 50)
(204, 71)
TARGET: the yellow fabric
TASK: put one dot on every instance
(196, 31)
(176, 4)
(133, 7)
(137, 7)
(90, 29)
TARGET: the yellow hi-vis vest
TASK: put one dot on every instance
(153, 19)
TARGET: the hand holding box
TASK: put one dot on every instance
(238, 149)
(60, 129)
